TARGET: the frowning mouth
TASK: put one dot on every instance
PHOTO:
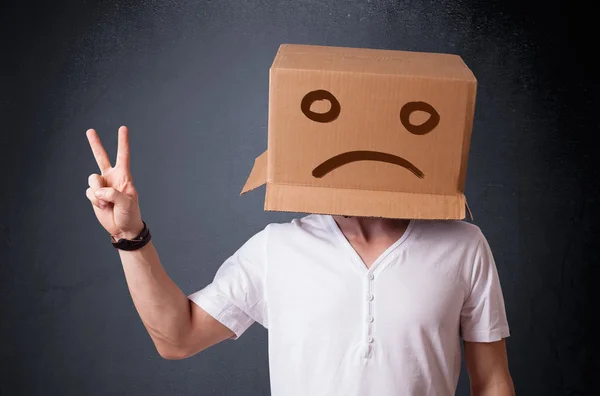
(354, 156)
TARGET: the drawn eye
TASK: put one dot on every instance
(320, 94)
(424, 128)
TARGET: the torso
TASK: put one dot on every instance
(379, 320)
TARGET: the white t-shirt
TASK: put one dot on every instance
(338, 328)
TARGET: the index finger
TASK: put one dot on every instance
(98, 150)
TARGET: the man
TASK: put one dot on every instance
(354, 306)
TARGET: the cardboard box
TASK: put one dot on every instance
(367, 132)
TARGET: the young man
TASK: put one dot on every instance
(354, 306)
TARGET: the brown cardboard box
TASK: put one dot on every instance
(367, 132)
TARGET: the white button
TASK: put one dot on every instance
(371, 276)
(370, 297)
(370, 340)
(370, 319)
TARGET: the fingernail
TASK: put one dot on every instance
(99, 193)
(102, 205)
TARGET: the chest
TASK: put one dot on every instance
(369, 253)
(328, 291)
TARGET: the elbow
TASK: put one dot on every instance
(171, 350)
(177, 353)
(173, 353)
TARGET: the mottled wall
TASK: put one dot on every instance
(190, 79)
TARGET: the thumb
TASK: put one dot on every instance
(109, 194)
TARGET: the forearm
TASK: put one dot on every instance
(162, 306)
(501, 387)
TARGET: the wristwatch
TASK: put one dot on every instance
(136, 243)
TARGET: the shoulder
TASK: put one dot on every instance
(456, 233)
(309, 224)
(283, 233)
(450, 228)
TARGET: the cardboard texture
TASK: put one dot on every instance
(365, 132)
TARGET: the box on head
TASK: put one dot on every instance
(367, 132)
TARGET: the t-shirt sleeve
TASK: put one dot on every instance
(235, 297)
(483, 315)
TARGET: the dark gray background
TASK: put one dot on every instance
(190, 79)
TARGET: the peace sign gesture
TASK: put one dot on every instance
(113, 196)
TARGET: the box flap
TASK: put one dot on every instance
(258, 175)
(389, 204)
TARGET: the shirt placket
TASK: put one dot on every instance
(369, 319)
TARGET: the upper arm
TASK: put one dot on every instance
(484, 327)
(487, 365)
(206, 331)
(201, 332)
(483, 315)
(233, 301)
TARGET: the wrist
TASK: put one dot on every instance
(132, 233)
(129, 240)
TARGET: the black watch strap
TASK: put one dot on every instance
(133, 244)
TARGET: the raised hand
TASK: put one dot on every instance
(112, 194)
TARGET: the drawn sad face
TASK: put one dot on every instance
(348, 157)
